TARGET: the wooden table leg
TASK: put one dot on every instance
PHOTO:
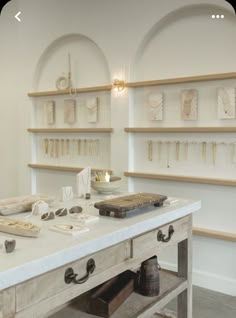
(184, 301)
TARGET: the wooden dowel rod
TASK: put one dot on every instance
(179, 80)
(214, 181)
(180, 129)
(214, 234)
(56, 130)
(63, 168)
(71, 92)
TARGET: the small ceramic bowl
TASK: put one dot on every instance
(106, 187)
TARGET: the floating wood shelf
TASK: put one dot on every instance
(179, 80)
(63, 168)
(72, 91)
(215, 234)
(70, 130)
(215, 181)
(137, 305)
(180, 129)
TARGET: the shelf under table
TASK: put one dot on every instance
(136, 305)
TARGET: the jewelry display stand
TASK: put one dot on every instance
(180, 146)
(67, 133)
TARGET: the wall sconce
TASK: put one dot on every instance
(118, 85)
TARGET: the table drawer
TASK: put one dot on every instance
(142, 244)
(51, 283)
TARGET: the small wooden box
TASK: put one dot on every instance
(106, 298)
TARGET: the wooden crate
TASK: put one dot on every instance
(106, 298)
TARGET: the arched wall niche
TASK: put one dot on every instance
(89, 66)
(186, 42)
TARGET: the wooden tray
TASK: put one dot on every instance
(18, 227)
(106, 298)
(128, 203)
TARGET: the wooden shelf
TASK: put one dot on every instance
(71, 92)
(179, 80)
(137, 305)
(70, 130)
(214, 181)
(214, 234)
(180, 129)
(63, 168)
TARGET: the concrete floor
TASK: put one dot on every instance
(206, 304)
(210, 304)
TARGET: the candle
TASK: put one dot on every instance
(107, 177)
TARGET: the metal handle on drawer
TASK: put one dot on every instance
(161, 236)
(70, 276)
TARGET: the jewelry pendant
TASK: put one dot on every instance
(214, 152)
(177, 146)
(186, 150)
(97, 147)
(85, 147)
(150, 150)
(51, 147)
(67, 146)
(204, 151)
(168, 154)
(57, 147)
(62, 147)
(79, 146)
(45, 146)
(159, 150)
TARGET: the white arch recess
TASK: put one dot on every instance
(89, 66)
(184, 41)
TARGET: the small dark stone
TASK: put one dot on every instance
(10, 245)
(87, 196)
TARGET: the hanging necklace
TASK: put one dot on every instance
(214, 152)
(204, 151)
(168, 154)
(177, 146)
(186, 150)
(150, 150)
(46, 146)
(159, 150)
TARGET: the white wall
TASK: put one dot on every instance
(8, 101)
(137, 40)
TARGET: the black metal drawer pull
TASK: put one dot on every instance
(161, 236)
(70, 276)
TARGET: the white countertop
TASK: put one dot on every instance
(35, 256)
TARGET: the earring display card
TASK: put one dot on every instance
(83, 180)
(66, 194)
(69, 229)
(92, 108)
(49, 110)
(189, 104)
(226, 102)
(155, 103)
(69, 111)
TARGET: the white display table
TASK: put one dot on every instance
(32, 277)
